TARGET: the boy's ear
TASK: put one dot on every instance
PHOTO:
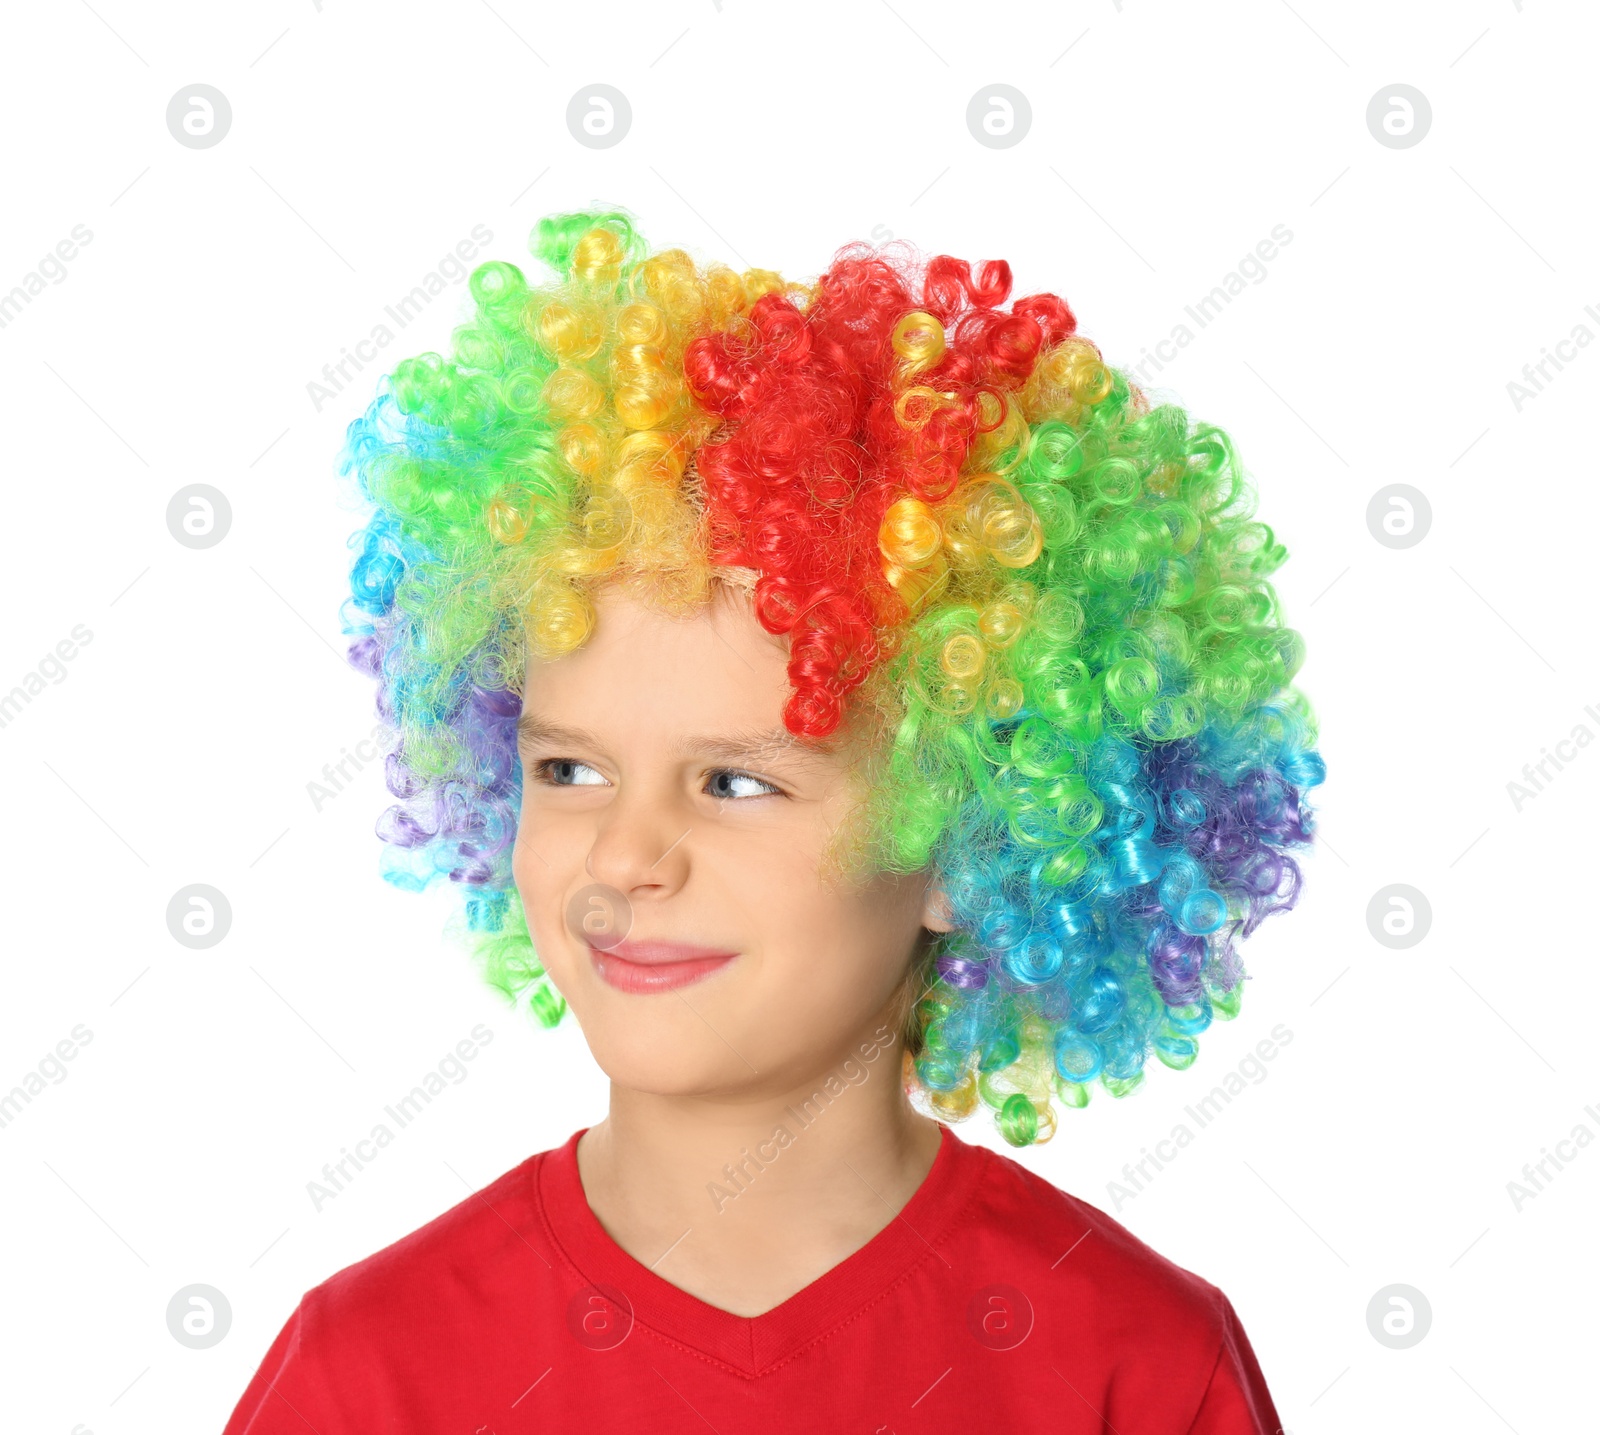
(936, 913)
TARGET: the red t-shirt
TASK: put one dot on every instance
(994, 1302)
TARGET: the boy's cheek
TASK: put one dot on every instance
(540, 892)
(525, 872)
(550, 849)
(550, 943)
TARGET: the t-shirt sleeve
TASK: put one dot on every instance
(1236, 1400)
(288, 1395)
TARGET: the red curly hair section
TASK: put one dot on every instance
(832, 413)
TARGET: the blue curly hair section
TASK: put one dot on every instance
(1138, 953)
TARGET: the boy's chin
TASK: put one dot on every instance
(671, 1064)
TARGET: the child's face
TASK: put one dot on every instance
(656, 765)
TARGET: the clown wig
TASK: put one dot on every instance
(1044, 597)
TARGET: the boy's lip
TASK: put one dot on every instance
(658, 953)
(655, 966)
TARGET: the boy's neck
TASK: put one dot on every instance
(742, 1205)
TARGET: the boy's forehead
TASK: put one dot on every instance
(731, 743)
(537, 726)
(624, 617)
(713, 660)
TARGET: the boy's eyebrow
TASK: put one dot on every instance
(751, 746)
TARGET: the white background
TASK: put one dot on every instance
(1167, 139)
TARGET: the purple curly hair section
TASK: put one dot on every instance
(464, 825)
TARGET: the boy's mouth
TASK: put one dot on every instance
(656, 966)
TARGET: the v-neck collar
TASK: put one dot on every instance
(752, 1345)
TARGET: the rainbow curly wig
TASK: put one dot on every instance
(1046, 597)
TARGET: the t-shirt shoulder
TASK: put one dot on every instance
(1111, 1276)
(348, 1347)
(471, 1245)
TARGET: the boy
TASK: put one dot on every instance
(857, 704)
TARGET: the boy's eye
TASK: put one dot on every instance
(725, 783)
(563, 772)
